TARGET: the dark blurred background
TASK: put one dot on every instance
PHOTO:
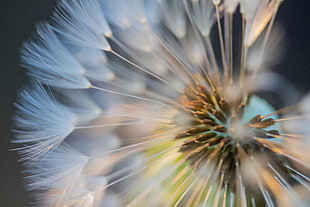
(18, 18)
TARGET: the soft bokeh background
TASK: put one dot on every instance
(17, 19)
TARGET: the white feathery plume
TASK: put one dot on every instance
(62, 174)
(127, 78)
(157, 103)
(249, 7)
(174, 17)
(96, 62)
(130, 18)
(202, 14)
(50, 62)
(193, 49)
(58, 177)
(59, 169)
(83, 23)
(124, 13)
(262, 56)
(216, 2)
(258, 17)
(43, 123)
(81, 104)
(231, 5)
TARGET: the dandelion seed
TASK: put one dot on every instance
(156, 103)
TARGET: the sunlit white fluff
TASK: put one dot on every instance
(83, 23)
(257, 17)
(262, 56)
(124, 14)
(53, 122)
(174, 17)
(129, 18)
(59, 174)
(202, 14)
(96, 62)
(48, 58)
(58, 169)
(80, 104)
(149, 103)
(231, 6)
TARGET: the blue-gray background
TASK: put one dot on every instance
(17, 19)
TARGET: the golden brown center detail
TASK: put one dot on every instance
(217, 125)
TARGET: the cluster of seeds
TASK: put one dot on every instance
(218, 131)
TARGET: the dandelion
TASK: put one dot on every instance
(157, 103)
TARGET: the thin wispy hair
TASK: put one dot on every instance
(160, 103)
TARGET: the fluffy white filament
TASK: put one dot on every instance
(51, 63)
(113, 85)
(43, 122)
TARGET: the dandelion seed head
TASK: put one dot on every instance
(158, 103)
